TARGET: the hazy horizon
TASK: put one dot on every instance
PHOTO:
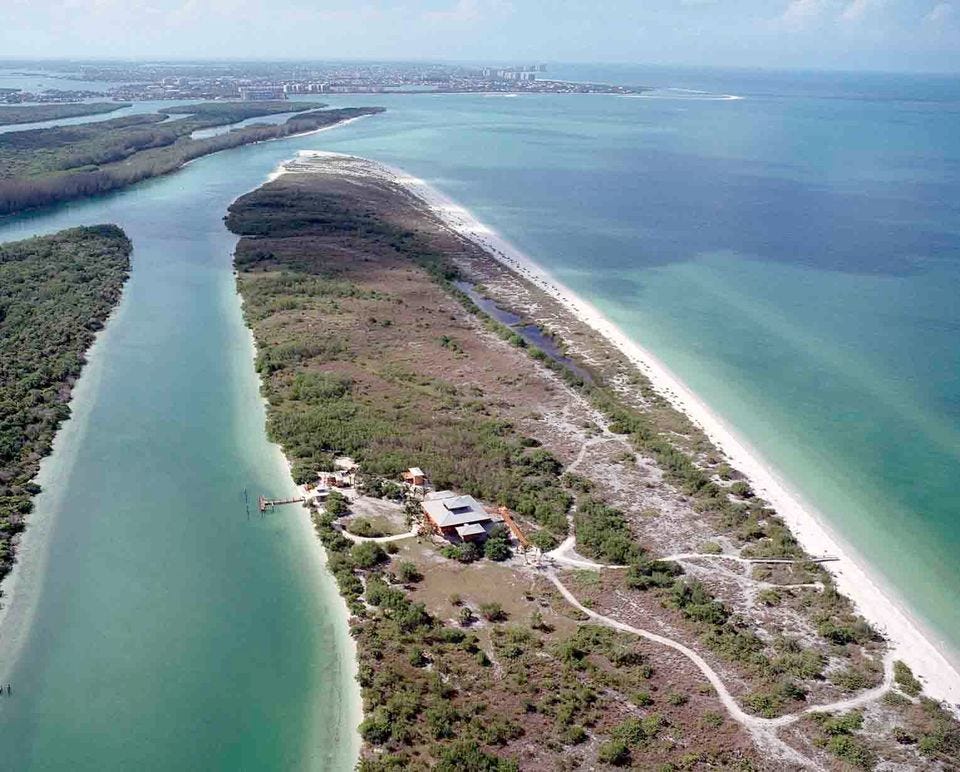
(852, 35)
(175, 60)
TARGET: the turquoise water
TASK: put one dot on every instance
(155, 625)
(792, 255)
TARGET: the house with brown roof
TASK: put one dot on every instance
(452, 515)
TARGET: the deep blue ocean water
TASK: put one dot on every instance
(793, 254)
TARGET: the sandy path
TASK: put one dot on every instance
(762, 729)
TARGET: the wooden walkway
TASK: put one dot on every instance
(265, 502)
(514, 528)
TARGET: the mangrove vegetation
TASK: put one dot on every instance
(46, 166)
(56, 292)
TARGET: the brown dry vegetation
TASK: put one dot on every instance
(366, 348)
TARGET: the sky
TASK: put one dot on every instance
(917, 35)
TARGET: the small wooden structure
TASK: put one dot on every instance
(515, 529)
(264, 502)
(414, 476)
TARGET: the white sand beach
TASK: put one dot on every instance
(854, 577)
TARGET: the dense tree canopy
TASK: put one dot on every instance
(55, 293)
(46, 166)
(14, 114)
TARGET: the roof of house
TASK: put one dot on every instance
(470, 529)
(447, 509)
(415, 471)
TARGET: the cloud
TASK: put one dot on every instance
(940, 15)
(856, 10)
(800, 14)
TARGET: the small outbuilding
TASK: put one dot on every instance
(414, 476)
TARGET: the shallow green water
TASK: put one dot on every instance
(169, 629)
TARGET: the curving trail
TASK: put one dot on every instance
(378, 539)
(762, 729)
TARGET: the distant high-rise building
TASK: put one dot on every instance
(262, 93)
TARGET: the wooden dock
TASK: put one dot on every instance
(264, 502)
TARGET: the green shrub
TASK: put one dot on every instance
(769, 596)
(851, 679)
(441, 719)
(858, 632)
(336, 504)
(850, 750)
(905, 679)
(497, 546)
(375, 728)
(712, 720)
(614, 752)
(603, 534)
(492, 612)
(544, 540)
(839, 724)
(466, 756)
(367, 554)
(646, 574)
(408, 572)
(418, 658)
(466, 552)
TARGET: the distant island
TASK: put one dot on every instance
(137, 81)
(56, 292)
(547, 565)
(52, 112)
(51, 165)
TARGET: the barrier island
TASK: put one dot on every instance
(546, 564)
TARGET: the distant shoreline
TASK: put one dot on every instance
(908, 638)
(24, 193)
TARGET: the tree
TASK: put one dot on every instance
(367, 554)
(408, 572)
(497, 549)
(336, 504)
(303, 472)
